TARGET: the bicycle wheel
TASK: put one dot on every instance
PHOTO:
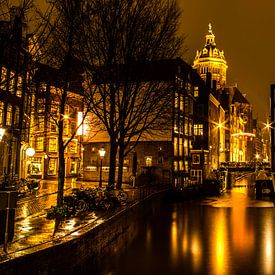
(122, 196)
(81, 205)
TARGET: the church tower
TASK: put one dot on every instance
(211, 59)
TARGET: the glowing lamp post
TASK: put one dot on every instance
(101, 154)
(2, 132)
(30, 152)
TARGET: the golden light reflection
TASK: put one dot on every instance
(267, 246)
(196, 251)
(174, 237)
(70, 224)
(148, 237)
(219, 249)
(243, 233)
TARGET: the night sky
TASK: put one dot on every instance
(245, 30)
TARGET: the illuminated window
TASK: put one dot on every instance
(196, 159)
(73, 169)
(196, 91)
(9, 115)
(148, 160)
(175, 146)
(52, 145)
(180, 146)
(39, 144)
(181, 102)
(175, 166)
(53, 127)
(1, 112)
(40, 123)
(19, 87)
(43, 87)
(181, 167)
(4, 78)
(12, 81)
(198, 129)
(73, 147)
(52, 166)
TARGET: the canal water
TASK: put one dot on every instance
(230, 234)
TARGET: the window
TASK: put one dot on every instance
(41, 105)
(43, 87)
(198, 129)
(175, 146)
(196, 159)
(19, 87)
(12, 81)
(52, 145)
(1, 112)
(53, 127)
(39, 144)
(73, 169)
(4, 78)
(180, 146)
(52, 166)
(9, 115)
(196, 91)
(148, 160)
(73, 147)
(40, 125)
(181, 102)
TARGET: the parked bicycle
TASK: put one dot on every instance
(27, 185)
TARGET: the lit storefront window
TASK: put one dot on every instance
(35, 167)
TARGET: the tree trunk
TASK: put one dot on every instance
(61, 171)
(112, 162)
(120, 167)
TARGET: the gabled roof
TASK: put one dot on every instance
(239, 97)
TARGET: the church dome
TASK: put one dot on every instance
(211, 59)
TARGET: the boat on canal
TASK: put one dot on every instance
(264, 184)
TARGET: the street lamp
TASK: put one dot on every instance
(101, 154)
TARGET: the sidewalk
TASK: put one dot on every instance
(33, 231)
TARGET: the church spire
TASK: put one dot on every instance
(210, 37)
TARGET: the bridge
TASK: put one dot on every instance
(244, 166)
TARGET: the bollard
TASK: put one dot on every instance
(7, 215)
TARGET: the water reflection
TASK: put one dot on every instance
(227, 235)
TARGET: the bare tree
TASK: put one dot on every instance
(120, 39)
(60, 41)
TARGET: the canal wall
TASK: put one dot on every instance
(93, 248)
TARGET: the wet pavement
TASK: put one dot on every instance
(33, 231)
